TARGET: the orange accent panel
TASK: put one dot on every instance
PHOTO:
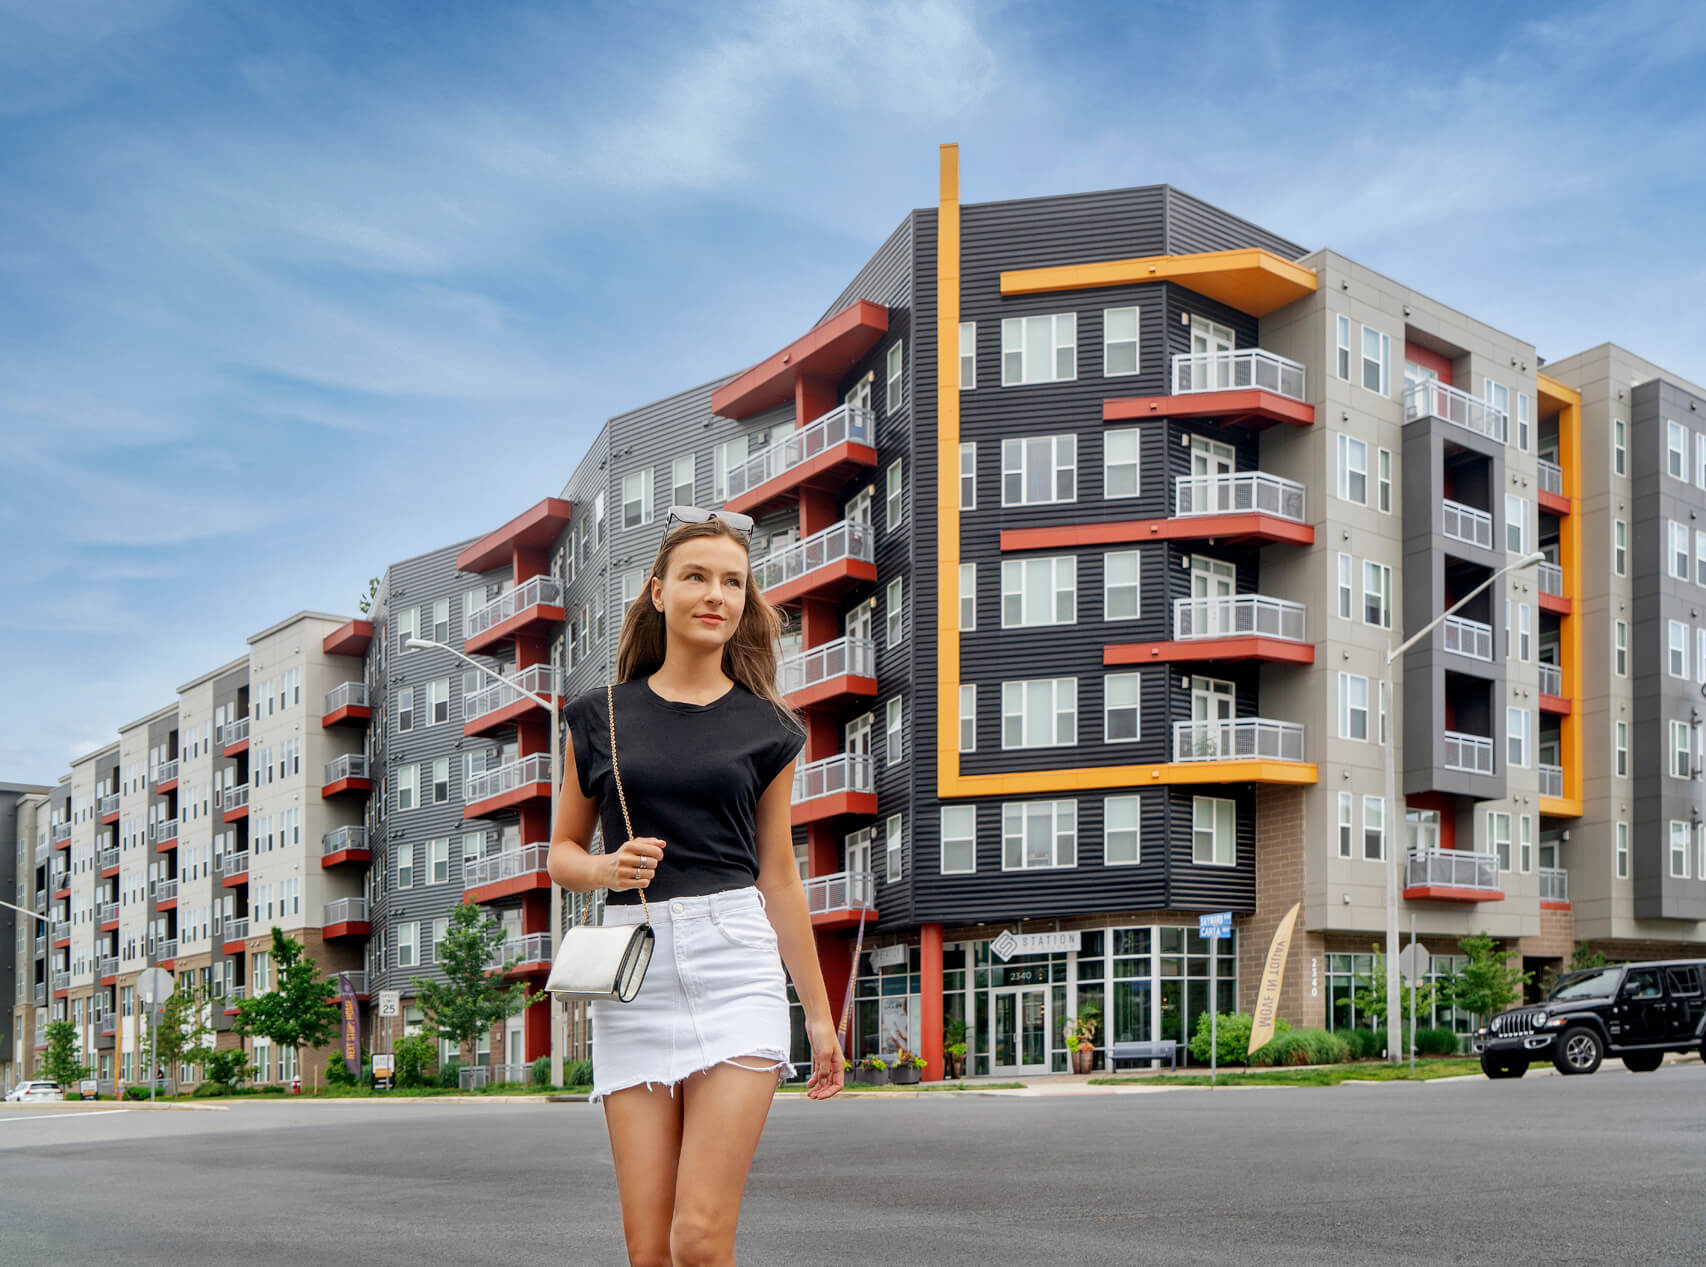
(349, 712)
(1246, 648)
(1244, 405)
(168, 844)
(1554, 906)
(538, 526)
(835, 805)
(831, 578)
(1249, 279)
(508, 887)
(350, 638)
(110, 926)
(1554, 704)
(504, 630)
(508, 800)
(339, 786)
(170, 904)
(233, 947)
(170, 785)
(831, 690)
(834, 464)
(1560, 807)
(1558, 605)
(829, 350)
(338, 857)
(1252, 524)
(1445, 893)
(107, 873)
(234, 881)
(107, 820)
(1553, 504)
(1553, 394)
(62, 944)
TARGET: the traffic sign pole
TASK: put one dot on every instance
(1213, 928)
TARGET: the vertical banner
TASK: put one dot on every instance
(1273, 972)
(352, 1025)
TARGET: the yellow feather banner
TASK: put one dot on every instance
(1267, 1002)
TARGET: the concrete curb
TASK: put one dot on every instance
(107, 1106)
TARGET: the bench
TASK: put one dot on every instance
(1166, 1049)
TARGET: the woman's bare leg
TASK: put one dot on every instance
(725, 1109)
(645, 1140)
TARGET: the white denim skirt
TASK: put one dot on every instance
(714, 993)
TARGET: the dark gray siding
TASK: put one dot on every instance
(11, 923)
(1194, 225)
(877, 280)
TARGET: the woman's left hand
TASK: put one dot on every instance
(828, 1061)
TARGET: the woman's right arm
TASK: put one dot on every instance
(569, 864)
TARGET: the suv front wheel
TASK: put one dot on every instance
(1579, 1050)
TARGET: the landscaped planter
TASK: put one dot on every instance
(873, 1077)
(904, 1075)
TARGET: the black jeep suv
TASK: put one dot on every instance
(1638, 1011)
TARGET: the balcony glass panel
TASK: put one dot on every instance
(165, 890)
(1551, 477)
(352, 765)
(1551, 679)
(836, 543)
(841, 891)
(108, 805)
(236, 863)
(538, 591)
(844, 772)
(166, 771)
(1470, 753)
(237, 797)
(853, 657)
(1466, 524)
(59, 832)
(1433, 399)
(507, 778)
(535, 680)
(1467, 637)
(1246, 367)
(109, 859)
(528, 860)
(163, 829)
(1237, 738)
(1551, 780)
(533, 948)
(1239, 493)
(1451, 869)
(1551, 579)
(343, 838)
(109, 910)
(839, 425)
(233, 732)
(236, 929)
(1238, 615)
(346, 695)
(1554, 884)
(346, 909)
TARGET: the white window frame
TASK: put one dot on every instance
(1063, 834)
(1679, 555)
(1619, 447)
(1676, 643)
(403, 709)
(1124, 804)
(438, 697)
(405, 866)
(1221, 853)
(1061, 722)
(1516, 521)
(1117, 440)
(968, 717)
(1349, 709)
(968, 597)
(894, 386)
(1061, 585)
(1382, 576)
(1383, 481)
(959, 833)
(1382, 361)
(1620, 648)
(1499, 837)
(1620, 547)
(894, 496)
(1681, 751)
(1676, 450)
(1620, 749)
(643, 497)
(1016, 342)
(438, 860)
(1525, 843)
(968, 477)
(1063, 465)
(677, 481)
(1342, 347)
(1347, 596)
(894, 848)
(1122, 683)
(1517, 731)
(1375, 831)
(1678, 852)
(894, 732)
(968, 356)
(1349, 447)
(1523, 417)
(894, 612)
(1620, 851)
(409, 780)
(409, 944)
(1347, 825)
(724, 457)
(1109, 344)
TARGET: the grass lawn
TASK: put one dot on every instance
(1318, 1076)
(863, 1088)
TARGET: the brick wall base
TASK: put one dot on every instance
(1280, 848)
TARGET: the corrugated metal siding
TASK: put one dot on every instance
(1194, 225)
(876, 282)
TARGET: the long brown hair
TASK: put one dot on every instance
(749, 657)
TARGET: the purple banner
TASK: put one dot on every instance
(352, 1025)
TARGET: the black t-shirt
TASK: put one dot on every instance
(693, 774)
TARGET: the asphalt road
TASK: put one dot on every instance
(1607, 1169)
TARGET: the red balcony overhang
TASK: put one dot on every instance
(112, 980)
(62, 943)
(526, 882)
(1554, 906)
(107, 873)
(1557, 604)
(1447, 893)
(827, 470)
(340, 786)
(356, 713)
(1554, 504)
(110, 925)
(234, 815)
(169, 844)
(508, 800)
(349, 638)
(107, 820)
(529, 967)
(829, 581)
(347, 928)
(535, 528)
(236, 947)
(65, 993)
(534, 618)
(238, 748)
(1252, 407)
(1241, 526)
(235, 881)
(1559, 704)
(63, 844)
(339, 857)
(59, 894)
(827, 351)
(835, 921)
(169, 785)
(167, 965)
(508, 715)
(832, 690)
(836, 805)
(168, 904)
(1251, 647)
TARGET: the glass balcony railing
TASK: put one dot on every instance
(108, 805)
(165, 772)
(236, 863)
(532, 948)
(1239, 493)
(536, 679)
(1551, 579)
(1434, 399)
(1238, 738)
(168, 949)
(847, 540)
(58, 832)
(346, 695)
(62, 930)
(1238, 615)
(352, 765)
(1466, 524)
(1552, 780)
(109, 859)
(844, 657)
(1551, 477)
(1472, 754)
(1245, 367)
(536, 592)
(1467, 637)
(346, 910)
(236, 929)
(165, 890)
(357, 980)
(839, 425)
(233, 732)
(62, 981)
(1451, 869)
(1551, 679)
(1554, 884)
(342, 838)
(507, 778)
(109, 966)
(844, 772)
(163, 829)
(109, 912)
(236, 797)
(509, 865)
(841, 891)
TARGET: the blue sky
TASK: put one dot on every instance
(292, 291)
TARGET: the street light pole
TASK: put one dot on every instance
(556, 925)
(1393, 862)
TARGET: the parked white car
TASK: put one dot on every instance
(37, 1090)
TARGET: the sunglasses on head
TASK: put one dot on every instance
(693, 515)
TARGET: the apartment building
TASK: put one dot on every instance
(23, 860)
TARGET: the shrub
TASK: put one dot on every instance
(272, 1088)
(205, 1089)
(578, 1074)
(1233, 1038)
(136, 1093)
(338, 1074)
(449, 1075)
(1436, 1042)
(1305, 1047)
(414, 1055)
(1364, 1044)
(541, 1072)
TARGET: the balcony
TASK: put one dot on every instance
(1452, 875)
(508, 786)
(233, 868)
(532, 953)
(234, 737)
(1555, 888)
(350, 638)
(501, 875)
(59, 834)
(236, 803)
(1551, 477)
(107, 809)
(165, 894)
(347, 702)
(1238, 739)
(41, 998)
(43, 852)
(61, 982)
(166, 775)
(1465, 524)
(837, 900)
(344, 844)
(825, 453)
(348, 773)
(1243, 506)
(1551, 780)
(832, 672)
(62, 932)
(537, 602)
(1230, 371)
(235, 995)
(1551, 678)
(824, 565)
(1238, 626)
(1465, 637)
(164, 833)
(502, 703)
(41, 944)
(108, 968)
(842, 784)
(109, 863)
(1248, 387)
(346, 917)
(357, 981)
(1550, 578)
(1434, 399)
(235, 936)
(108, 915)
(168, 951)
(1470, 754)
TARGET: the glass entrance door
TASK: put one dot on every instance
(1021, 1030)
(1212, 582)
(1210, 341)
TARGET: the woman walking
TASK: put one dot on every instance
(705, 752)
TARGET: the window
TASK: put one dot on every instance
(1346, 805)
(896, 611)
(1120, 707)
(1525, 843)
(1523, 630)
(405, 866)
(440, 780)
(1620, 647)
(725, 457)
(1499, 837)
(894, 740)
(1383, 481)
(1376, 360)
(1214, 831)
(1039, 470)
(1620, 547)
(1676, 451)
(968, 597)
(405, 709)
(1522, 422)
(1353, 470)
(1516, 524)
(408, 944)
(681, 478)
(1039, 834)
(968, 355)
(1119, 463)
(1516, 736)
(1373, 828)
(1678, 849)
(968, 477)
(1376, 594)
(1699, 556)
(968, 717)
(1119, 341)
(1039, 713)
(1039, 349)
(633, 581)
(1039, 591)
(895, 396)
(1498, 398)
(1680, 762)
(893, 837)
(1342, 340)
(1353, 706)
(1120, 585)
(440, 930)
(408, 786)
(959, 839)
(1619, 447)
(1620, 748)
(438, 701)
(408, 626)
(438, 860)
(894, 505)
(1622, 851)
(637, 498)
(1678, 550)
(1678, 649)
(1344, 587)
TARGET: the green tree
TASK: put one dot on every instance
(1371, 996)
(61, 1063)
(185, 1031)
(415, 1055)
(228, 1066)
(301, 1010)
(372, 593)
(1487, 984)
(473, 997)
(1584, 959)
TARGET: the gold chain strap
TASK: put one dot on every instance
(616, 772)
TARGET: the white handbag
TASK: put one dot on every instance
(595, 962)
